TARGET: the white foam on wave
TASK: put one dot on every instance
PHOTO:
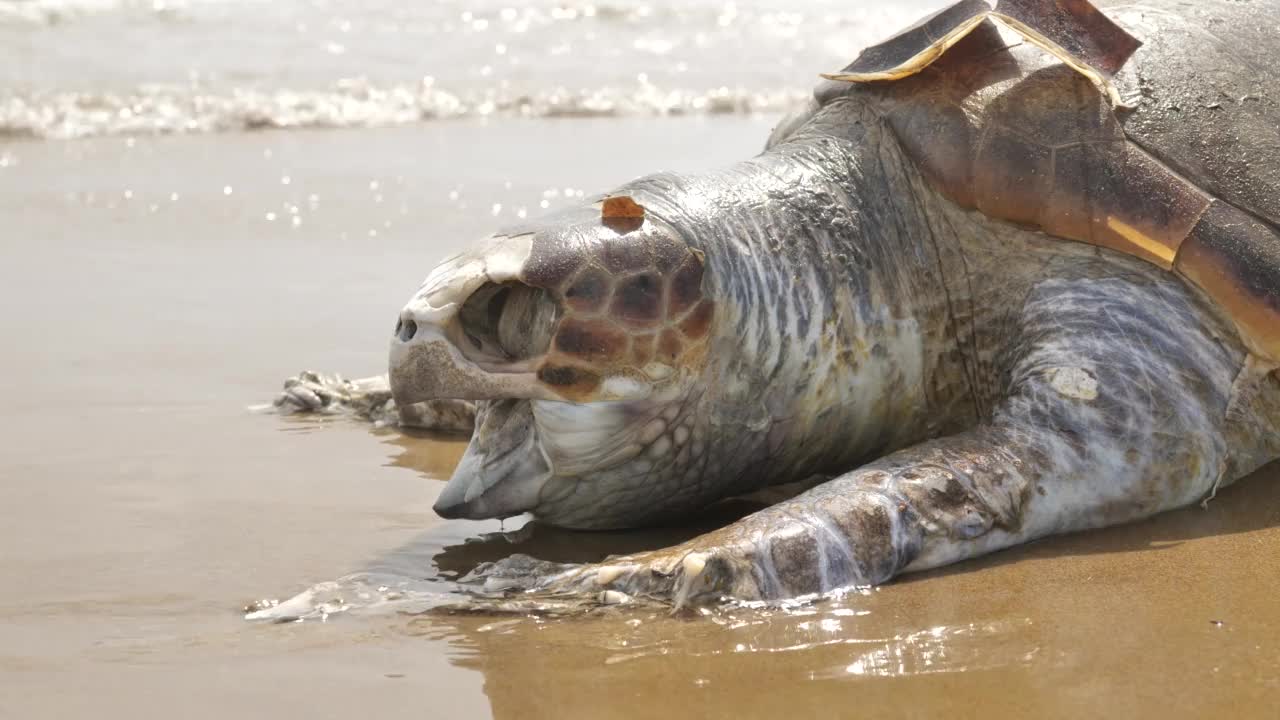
(52, 12)
(84, 68)
(358, 594)
(348, 104)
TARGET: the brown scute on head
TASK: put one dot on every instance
(1077, 27)
(913, 49)
(501, 322)
(591, 340)
(622, 256)
(642, 349)
(669, 346)
(637, 301)
(588, 291)
(667, 254)
(686, 287)
(1235, 259)
(552, 262)
(698, 323)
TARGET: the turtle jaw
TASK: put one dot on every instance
(504, 468)
(454, 339)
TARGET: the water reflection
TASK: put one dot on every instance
(945, 649)
(1018, 624)
(434, 455)
(743, 662)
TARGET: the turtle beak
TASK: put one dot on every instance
(503, 470)
(446, 346)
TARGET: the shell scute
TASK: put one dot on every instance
(1116, 196)
(685, 288)
(1021, 135)
(1012, 176)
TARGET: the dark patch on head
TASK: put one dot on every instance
(590, 339)
(686, 287)
(669, 346)
(638, 300)
(696, 325)
(567, 377)
(588, 291)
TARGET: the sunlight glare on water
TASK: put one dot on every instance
(343, 63)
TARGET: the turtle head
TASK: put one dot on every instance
(582, 339)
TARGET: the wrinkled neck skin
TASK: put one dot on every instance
(833, 337)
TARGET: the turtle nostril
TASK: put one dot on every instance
(406, 329)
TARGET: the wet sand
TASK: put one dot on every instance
(143, 505)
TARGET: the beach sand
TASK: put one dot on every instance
(155, 288)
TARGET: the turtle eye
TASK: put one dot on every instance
(506, 322)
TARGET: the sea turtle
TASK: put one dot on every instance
(1012, 273)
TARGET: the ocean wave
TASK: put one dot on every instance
(54, 12)
(156, 110)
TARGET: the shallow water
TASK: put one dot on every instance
(155, 287)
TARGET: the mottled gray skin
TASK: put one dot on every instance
(969, 385)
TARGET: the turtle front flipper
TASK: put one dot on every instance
(1074, 31)
(370, 399)
(1110, 417)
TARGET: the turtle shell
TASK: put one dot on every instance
(1188, 178)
